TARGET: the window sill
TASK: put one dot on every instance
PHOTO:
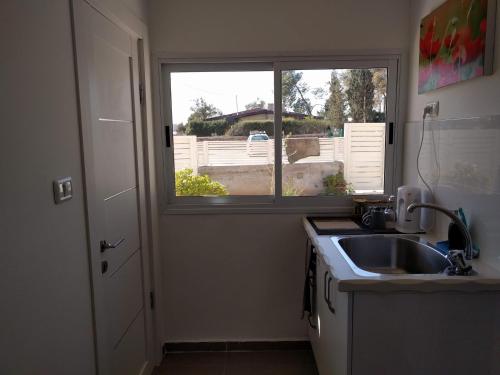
(228, 209)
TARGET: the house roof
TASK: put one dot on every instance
(233, 117)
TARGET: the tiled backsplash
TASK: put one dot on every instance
(461, 161)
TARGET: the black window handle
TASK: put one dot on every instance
(167, 136)
(391, 133)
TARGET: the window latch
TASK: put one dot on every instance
(167, 136)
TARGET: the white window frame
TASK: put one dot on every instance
(276, 202)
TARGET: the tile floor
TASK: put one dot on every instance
(299, 362)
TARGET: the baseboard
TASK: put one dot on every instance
(235, 346)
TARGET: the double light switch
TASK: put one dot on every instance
(63, 190)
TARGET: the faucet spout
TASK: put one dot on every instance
(456, 220)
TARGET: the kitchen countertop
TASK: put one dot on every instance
(486, 279)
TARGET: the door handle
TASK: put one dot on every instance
(105, 245)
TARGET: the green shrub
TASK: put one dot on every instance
(337, 185)
(290, 127)
(306, 126)
(244, 128)
(290, 190)
(207, 128)
(186, 184)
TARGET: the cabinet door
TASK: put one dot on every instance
(412, 333)
(313, 326)
(318, 340)
(333, 324)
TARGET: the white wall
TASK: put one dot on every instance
(239, 277)
(228, 26)
(479, 99)
(46, 317)
(233, 277)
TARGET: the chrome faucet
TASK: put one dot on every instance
(455, 256)
(456, 220)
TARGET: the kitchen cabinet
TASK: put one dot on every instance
(330, 336)
(366, 332)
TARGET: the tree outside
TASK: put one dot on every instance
(380, 84)
(360, 94)
(335, 106)
(256, 104)
(201, 110)
(294, 91)
(357, 95)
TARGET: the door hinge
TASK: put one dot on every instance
(141, 93)
(152, 301)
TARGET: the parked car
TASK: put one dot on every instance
(254, 139)
(258, 137)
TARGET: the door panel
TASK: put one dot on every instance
(111, 136)
(129, 356)
(113, 82)
(124, 291)
(121, 222)
(115, 157)
(100, 26)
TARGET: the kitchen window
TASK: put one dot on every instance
(307, 133)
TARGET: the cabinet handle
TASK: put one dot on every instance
(326, 289)
(325, 294)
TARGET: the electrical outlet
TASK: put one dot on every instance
(432, 109)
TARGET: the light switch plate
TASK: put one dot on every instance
(63, 190)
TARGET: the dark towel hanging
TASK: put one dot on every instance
(308, 301)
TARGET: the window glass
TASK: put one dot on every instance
(333, 124)
(223, 127)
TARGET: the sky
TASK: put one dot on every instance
(231, 91)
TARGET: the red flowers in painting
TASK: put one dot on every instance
(472, 48)
(451, 40)
(483, 26)
(429, 47)
(458, 44)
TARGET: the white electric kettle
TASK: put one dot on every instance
(408, 222)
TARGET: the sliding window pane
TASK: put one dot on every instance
(333, 131)
(223, 126)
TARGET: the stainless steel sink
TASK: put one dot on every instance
(390, 254)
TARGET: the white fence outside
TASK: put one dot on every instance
(226, 153)
(362, 150)
(185, 154)
(365, 156)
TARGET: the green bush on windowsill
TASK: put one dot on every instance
(337, 185)
(187, 184)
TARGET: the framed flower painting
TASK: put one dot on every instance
(456, 43)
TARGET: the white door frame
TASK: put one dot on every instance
(150, 282)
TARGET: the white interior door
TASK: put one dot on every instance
(107, 67)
